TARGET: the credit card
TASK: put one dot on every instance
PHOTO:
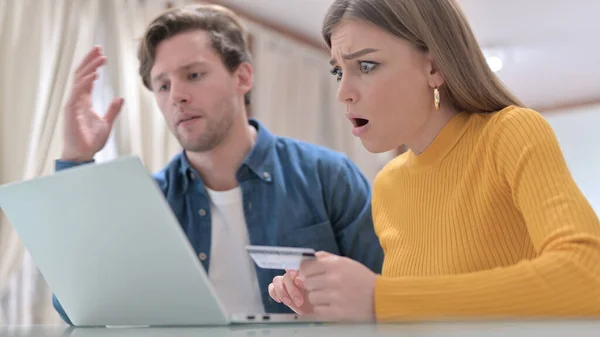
(272, 257)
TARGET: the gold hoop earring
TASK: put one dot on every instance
(436, 98)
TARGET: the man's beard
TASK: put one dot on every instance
(213, 134)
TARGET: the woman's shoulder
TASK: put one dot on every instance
(518, 135)
(514, 116)
(512, 123)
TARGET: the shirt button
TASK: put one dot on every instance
(202, 212)
(192, 175)
(202, 256)
(267, 175)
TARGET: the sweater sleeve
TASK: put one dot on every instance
(562, 281)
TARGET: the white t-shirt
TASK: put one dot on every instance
(231, 270)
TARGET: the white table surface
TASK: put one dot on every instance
(574, 328)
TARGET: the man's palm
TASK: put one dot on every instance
(86, 132)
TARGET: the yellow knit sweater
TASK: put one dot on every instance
(486, 223)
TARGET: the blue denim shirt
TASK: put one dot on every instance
(295, 194)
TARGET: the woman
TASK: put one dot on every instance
(481, 217)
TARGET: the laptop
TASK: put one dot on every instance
(112, 251)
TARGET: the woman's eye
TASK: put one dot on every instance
(194, 76)
(337, 72)
(367, 66)
(163, 87)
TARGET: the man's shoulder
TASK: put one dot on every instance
(309, 157)
(294, 153)
(167, 173)
(310, 153)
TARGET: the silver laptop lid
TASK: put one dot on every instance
(110, 248)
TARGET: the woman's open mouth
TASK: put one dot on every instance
(360, 126)
(359, 122)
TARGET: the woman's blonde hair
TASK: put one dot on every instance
(440, 28)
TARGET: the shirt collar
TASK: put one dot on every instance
(259, 161)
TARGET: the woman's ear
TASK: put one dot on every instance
(434, 76)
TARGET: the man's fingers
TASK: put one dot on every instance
(91, 67)
(97, 50)
(113, 110)
(82, 87)
(91, 62)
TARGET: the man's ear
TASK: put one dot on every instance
(245, 76)
(434, 77)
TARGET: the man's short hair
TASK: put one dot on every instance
(229, 38)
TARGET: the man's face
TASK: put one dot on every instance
(199, 98)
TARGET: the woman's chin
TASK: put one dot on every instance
(375, 147)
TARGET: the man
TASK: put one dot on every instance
(234, 183)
